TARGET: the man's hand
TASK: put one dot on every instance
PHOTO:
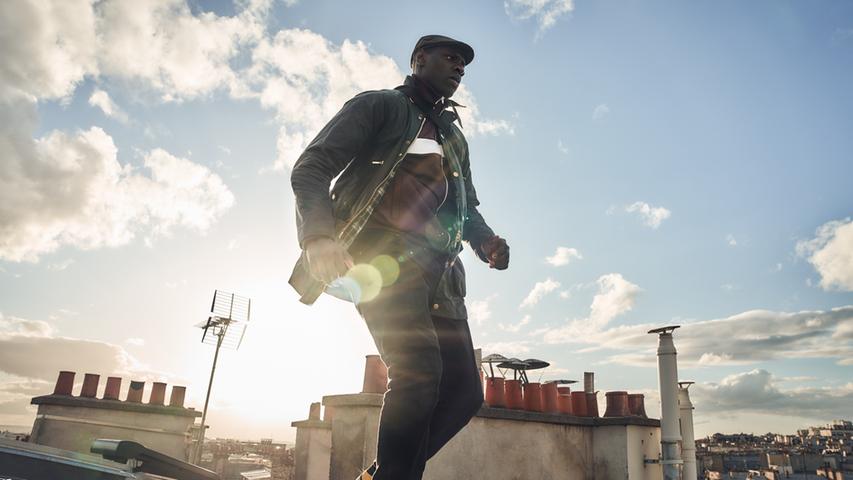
(327, 259)
(497, 251)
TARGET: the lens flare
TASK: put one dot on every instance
(364, 281)
(388, 268)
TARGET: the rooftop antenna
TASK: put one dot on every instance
(224, 327)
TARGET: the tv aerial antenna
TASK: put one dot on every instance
(224, 327)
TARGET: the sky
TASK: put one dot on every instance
(650, 163)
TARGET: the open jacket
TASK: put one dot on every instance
(364, 143)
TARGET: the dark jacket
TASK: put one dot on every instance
(364, 143)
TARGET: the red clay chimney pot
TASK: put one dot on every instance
(158, 394)
(90, 385)
(375, 375)
(64, 383)
(177, 397)
(134, 393)
(113, 388)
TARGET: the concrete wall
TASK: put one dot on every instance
(501, 444)
(72, 423)
(313, 450)
(511, 449)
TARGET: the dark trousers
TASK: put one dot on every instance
(434, 387)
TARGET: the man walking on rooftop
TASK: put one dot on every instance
(388, 236)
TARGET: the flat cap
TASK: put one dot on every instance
(429, 41)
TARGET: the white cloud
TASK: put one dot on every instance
(754, 336)
(69, 189)
(45, 54)
(600, 111)
(306, 79)
(102, 100)
(515, 327)
(758, 391)
(566, 294)
(652, 216)
(60, 266)
(831, 254)
(563, 256)
(23, 340)
(479, 311)
(562, 148)
(539, 291)
(21, 327)
(136, 342)
(545, 12)
(615, 297)
(731, 241)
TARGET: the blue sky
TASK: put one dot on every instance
(677, 163)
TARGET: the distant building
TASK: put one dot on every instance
(69, 422)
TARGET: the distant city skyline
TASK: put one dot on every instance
(649, 164)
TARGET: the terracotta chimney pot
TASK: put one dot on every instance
(158, 394)
(533, 397)
(592, 404)
(637, 404)
(375, 375)
(513, 396)
(617, 404)
(549, 398)
(134, 393)
(564, 403)
(113, 388)
(495, 392)
(176, 399)
(579, 404)
(90, 385)
(64, 383)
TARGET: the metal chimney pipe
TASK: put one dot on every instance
(688, 442)
(668, 377)
(589, 382)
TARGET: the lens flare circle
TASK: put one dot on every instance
(364, 281)
(388, 268)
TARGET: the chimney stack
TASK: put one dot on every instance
(158, 394)
(589, 382)
(64, 383)
(637, 404)
(375, 375)
(90, 385)
(177, 397)
(668, 377)
(134, 393)
(113, 388)
(314, 411)
(617, 404)
(688, 442)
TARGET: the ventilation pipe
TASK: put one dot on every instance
(668, 376)
(688, 443)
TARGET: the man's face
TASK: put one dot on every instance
(442, 68)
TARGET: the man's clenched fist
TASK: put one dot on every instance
(327, 259)
(496, 251)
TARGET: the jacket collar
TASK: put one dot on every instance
(428, 99)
